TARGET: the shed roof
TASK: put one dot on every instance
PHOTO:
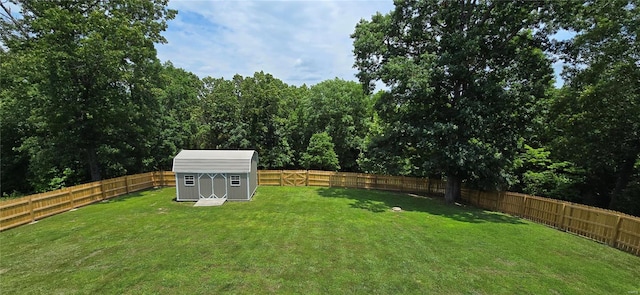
(213, 161)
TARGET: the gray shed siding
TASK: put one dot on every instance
(221, 187)
(253, 178)
(239, 193)
(186, 193)
(212, 174)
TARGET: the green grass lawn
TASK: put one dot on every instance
(306, 241)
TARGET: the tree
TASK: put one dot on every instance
(462, 78)
(14, 126)
(341, 109)
(261, 97)
(320, 153)
(219, 115)
(296, 105)
(179, 101)
(95, 68)
(597, 116)
(384, 152)
(541, 175)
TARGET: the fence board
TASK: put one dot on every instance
(628, 238)
(269, 177)
(319, 178)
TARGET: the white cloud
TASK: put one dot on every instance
(296, 41)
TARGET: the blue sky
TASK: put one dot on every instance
(296, 41)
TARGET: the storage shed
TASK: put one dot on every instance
(216, 174)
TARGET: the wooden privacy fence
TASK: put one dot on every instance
(349, 180)
(34, 207)
(617, 229)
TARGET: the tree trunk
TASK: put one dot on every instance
(626, 170)
(94, 166)
(452, 193)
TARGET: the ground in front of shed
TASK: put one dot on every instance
(209, 202)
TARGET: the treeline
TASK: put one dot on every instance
(319, 127)
(84, 97)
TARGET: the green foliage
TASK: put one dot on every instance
(462, 81)
(341, 109)
(218, 116)
(246, 113)
(59, 180)
(178, 97)
(541, 176)
(385, 152)
(14, 126)
(93, 69)
(262, 96)
(320, 154)
(629, 197)
(597, 115)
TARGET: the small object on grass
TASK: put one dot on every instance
(396, 209)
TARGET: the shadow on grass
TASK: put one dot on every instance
(380, 201)
(126, 196)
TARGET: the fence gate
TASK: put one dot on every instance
(294, 178)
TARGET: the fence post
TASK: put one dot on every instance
(162, 183)
(616, 231)
(70, 192)
(306, 183)
(524, 206)
(570, 219)
(126, 184)
(33, 217)
(375, 181)
(384, 183)
(561, 215)
(103, 193)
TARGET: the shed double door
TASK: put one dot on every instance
(212, 185)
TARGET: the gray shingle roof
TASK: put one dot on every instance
(213, 161)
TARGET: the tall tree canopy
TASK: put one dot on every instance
(341, 109)
(178, 98)
(462, 77)
(597, 115)
(94, 69)
(320, 154)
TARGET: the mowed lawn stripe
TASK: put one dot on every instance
(303, 240)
